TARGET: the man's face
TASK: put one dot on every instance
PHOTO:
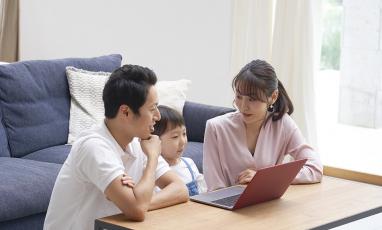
(148, 115)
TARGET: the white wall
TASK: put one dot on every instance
(176, 38)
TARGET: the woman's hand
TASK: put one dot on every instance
(128, 181)
(246, 176)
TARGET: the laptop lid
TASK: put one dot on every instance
(267, 184)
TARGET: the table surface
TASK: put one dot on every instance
(301, 207)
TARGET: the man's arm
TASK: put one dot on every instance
(173, 191)
(134, 202)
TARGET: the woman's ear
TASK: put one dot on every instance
(274, 96)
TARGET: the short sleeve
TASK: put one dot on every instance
(98, 164)
(162, 168)
(162, 165)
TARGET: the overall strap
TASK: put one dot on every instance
(189, 168)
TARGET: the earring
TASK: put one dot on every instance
(271, 109)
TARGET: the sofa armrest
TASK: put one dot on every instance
(196, 115)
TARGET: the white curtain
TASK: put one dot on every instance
(284, 33)
(252, 31)
(9, 28)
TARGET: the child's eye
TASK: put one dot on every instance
(238, 97)
(174, 137)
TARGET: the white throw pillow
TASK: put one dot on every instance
(86, 105)
(173, 93)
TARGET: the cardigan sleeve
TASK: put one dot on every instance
(212, 168)
(297, 147)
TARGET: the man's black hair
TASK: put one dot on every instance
(127, 85)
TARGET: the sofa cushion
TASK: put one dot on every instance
(195, 116)
(33, 222)
(4, 150)
(56, 154)
(194, 150)
(25, 187)
(34, 97)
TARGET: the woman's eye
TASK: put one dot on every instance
(174, 137)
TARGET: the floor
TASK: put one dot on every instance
(371, 222)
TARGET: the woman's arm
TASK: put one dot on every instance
(212, 169)
(298, 148)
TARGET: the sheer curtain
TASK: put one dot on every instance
(252, 31)
(9, 17)
(284, 33)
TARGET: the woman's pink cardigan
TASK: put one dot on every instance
(225, 151)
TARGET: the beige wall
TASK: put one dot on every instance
(176, 38)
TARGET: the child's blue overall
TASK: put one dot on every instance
(193, 185)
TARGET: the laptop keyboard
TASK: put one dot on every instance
(227, 201)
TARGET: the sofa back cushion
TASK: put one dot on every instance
(35, 100)
(196, 115)
(4, 150)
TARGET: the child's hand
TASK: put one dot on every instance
(128, 181)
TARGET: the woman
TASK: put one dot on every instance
(260, 134)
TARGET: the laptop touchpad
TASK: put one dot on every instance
(222, 193)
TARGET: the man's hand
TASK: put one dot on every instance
(151, 146)
(246, 176)
(128, 181)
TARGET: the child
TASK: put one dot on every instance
(172, 132)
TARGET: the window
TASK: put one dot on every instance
(349, 86)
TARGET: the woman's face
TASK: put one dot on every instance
(252, 110)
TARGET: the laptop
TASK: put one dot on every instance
(267, 184)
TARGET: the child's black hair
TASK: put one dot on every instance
(170, 119)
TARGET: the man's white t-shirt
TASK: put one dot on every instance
(94, 162)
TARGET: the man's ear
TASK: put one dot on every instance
(125, 110)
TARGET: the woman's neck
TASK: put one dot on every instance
(254, 126)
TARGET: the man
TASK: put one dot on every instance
(89, 184)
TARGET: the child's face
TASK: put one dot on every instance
(173, 143)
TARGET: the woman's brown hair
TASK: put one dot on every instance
(258, 80)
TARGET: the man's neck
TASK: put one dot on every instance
(114, 128)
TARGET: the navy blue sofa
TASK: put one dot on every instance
(34, 125)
